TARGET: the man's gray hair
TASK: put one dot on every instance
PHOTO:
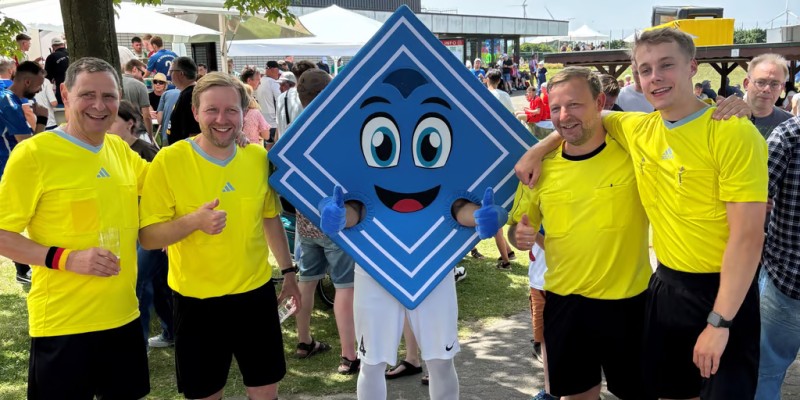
(6, 64)
(89, 64)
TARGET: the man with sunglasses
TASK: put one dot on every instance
(763, 84)
(135, 91)
(182, 124)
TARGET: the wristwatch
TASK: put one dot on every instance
(717, 321)
(289, 270)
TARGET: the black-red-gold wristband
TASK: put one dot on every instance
(56, 258)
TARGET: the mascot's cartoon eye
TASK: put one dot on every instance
(380, 142)
(432, 142)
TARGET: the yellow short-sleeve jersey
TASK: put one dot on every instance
(182, 178)
(64, 192)
(596, 228)
(687, 171)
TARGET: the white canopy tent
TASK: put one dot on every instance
(582, 34)
(586, 34)
(337, 32)
(131, 18)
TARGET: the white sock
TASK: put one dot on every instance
(371, 382)
(443, 379)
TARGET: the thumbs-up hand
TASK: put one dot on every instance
(209, 220)
(333, 216)
(490, 217)
(525, 233)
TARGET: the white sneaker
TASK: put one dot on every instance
(460, 274)
(160, 341)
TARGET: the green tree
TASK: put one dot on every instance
(618, 44)
(748, 36)
(536, 48)
(9, 29)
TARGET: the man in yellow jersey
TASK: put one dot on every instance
(703, 184)
(209, 201)
(68, 187)
(596, 242)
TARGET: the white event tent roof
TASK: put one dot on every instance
(131, 18)
(582, 34)
(337, 32)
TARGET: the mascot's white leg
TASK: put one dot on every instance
(372, 382)
(443, 379)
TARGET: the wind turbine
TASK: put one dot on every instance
(787, 13)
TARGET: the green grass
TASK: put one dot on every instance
(485, 295)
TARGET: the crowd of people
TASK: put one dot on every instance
(176, 179)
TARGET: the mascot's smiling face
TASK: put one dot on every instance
(411, 144)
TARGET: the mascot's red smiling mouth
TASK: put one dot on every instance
(407, 202)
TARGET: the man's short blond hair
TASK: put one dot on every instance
(582, 73)
(772, 58)
(218, 79)
(666, 35)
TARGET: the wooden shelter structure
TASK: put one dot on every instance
(724, 59)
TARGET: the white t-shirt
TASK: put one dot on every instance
(288, 104)
(537, 268)
(631, 100)
(44, 97)
(267, 96)
(504, 98)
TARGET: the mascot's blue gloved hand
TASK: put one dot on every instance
(490, 217)
(332, 213)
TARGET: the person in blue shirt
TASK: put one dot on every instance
(6, 70)
(478, 71)
(164, 113)
(161, 59)
(15, 128)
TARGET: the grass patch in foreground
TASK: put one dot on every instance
(485, 294)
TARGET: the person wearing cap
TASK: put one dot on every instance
(286, 81)
(267, 95)
(56, 65)
(159, 87)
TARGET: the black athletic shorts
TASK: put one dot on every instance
(678, 305)
(210, 332)
(109, 364)
(583, 335)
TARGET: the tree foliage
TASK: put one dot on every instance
(618, 44)
(536, 48)
(748, 36)
(9, 29)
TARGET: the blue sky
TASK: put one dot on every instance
(616, 16)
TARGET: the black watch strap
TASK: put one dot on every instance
(717, 321)
(289, 270)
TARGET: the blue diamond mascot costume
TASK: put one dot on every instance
(405, 161)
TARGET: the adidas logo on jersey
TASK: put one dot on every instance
(103, 173)
(667, 154)
(228, 188)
